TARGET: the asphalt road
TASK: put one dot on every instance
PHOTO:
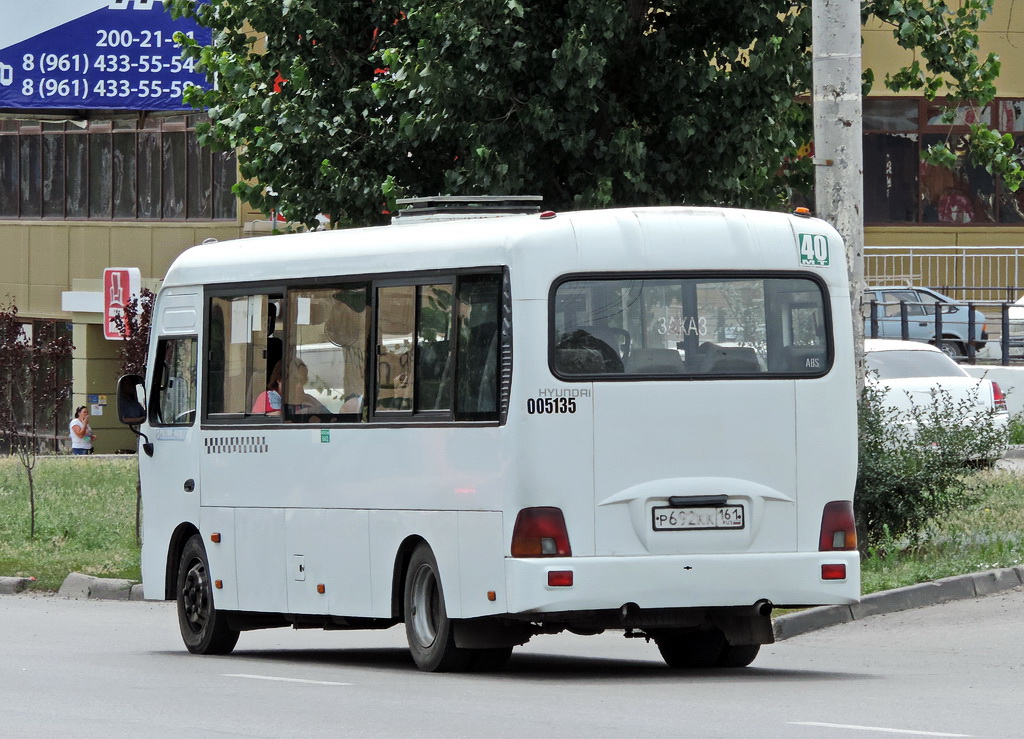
(88, 668)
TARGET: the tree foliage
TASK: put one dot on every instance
(952, 71)
(33, 391)
(338, 106)
(133, 324)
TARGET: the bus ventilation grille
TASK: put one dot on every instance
(454, 207)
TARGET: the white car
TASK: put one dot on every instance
(1016, 316)
(911, 373)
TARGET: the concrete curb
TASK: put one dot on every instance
(79, 586)
(13, 585)
(960, 587)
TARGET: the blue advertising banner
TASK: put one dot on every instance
(112, 54)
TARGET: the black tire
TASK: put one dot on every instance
(204, 629)
(737, 655)
(427, 626)
(952, 349)
(688, 649)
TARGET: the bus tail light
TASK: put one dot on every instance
(998, 397)
(540, 532)
(838, 530)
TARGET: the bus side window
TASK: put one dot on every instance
(243, 350)
(327, 335)
(479, 346)
(434, 327)
(174, 386)
(395, 365)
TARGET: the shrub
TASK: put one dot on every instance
(1017, 429)
(913, 463)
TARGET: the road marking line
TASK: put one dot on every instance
(854, 727)
(291, 680)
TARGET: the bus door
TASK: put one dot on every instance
(172, 475)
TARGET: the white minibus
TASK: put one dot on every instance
(641, 419)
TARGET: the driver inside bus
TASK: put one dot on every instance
(297, 400)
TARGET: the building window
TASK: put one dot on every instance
(149, 169)
(34, 400)
(900, 188)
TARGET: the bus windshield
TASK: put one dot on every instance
(690, 326)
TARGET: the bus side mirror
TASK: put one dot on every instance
(131, 405)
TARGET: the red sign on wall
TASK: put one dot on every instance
(119, 285)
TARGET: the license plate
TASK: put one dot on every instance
(689, 519)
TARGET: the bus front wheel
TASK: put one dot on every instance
(427, 626)
(204, 629)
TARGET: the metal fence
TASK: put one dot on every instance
(993, 274)
(990, 278)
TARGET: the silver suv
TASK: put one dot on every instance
(920, 302)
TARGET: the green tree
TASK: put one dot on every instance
(337, 107)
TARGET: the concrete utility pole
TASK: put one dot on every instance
(838, 142)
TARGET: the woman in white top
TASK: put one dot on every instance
(82, 434)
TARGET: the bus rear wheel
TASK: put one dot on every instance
(428, 629)
(204, 629)
(688, 649)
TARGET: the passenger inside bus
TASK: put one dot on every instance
(269, 401)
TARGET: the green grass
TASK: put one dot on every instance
(85, 522)
(987, 534)
(85, 519)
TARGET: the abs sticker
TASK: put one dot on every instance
(814, 250)
(555, 401)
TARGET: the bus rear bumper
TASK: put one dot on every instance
(680, 581)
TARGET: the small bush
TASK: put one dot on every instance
(913, 463)
(1017, 429)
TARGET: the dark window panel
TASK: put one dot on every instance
(148, 193)
(9, 176)
(200, 179)
(962, 195)
(224, 177)
(31, 190)
(891, 164)
(174, 175)
(890, 115)
(101, 169)
(123, 175)
(76, 152)
(53, 175)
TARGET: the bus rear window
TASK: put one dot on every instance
(689, 327)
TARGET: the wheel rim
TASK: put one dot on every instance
(195, 599)
(425, 604)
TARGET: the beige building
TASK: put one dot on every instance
(909, 203)
(135, 192)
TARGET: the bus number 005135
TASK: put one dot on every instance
(550, 405)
